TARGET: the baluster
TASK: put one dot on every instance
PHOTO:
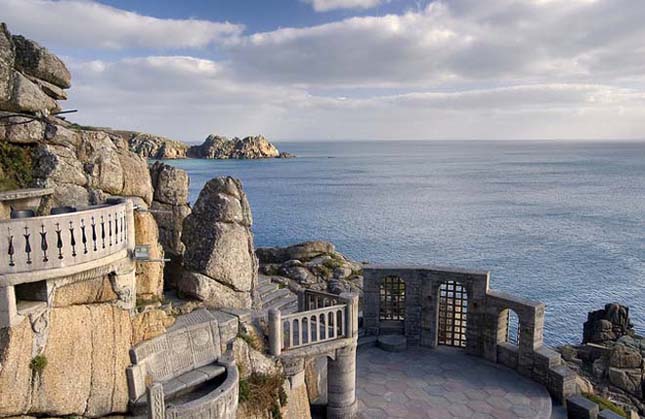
(116, 228)
(59, 241)
(343, 332)
(83, 236)
(110, 229)
(310, 324)
(332, 324)
(94, 233)
(72, 239)
(323, 331)
(27, 245)
(291, 325)
(11, 250)
(43, 243)
(103, 231)
(304, 333)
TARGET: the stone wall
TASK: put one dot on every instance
(486, 321)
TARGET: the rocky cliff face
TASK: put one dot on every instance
(221, 267)
(155, 147)
(71, 359)
(216, 147)
(31, 78)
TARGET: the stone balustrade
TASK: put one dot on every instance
(38, 248)
(323, 317)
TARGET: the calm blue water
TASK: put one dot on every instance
(559, 222)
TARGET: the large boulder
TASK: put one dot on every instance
(37, 61)
(170, 184)
(608, 324)
(149, 275)
(219, 242)
(301, 251)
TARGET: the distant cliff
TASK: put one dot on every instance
(217, 147)
(151, 146)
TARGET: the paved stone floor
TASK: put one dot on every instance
(443, 383)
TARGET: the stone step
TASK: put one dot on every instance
(280, 302)
(266, 289)
(366, 341)
(392, 343)
(278, 293)
(264, 279)
(292, 307)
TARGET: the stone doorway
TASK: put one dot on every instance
(453, 314)
(392, 305)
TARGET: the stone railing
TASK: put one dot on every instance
(309, 299)
(336, 320)
(63, 241)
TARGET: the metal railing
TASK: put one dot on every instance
(323, 317)
(64, 240)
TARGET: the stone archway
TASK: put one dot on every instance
(453, 314)
(392, 295)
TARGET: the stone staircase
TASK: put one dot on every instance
(274, 295)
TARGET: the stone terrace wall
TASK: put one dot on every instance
(486, 321)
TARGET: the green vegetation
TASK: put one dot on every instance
(15, 166)
(263, 393)
(253, 341)
(605, 404)
(38, 364)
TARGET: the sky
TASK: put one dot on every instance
(349, 69)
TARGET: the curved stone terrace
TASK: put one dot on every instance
(443, 383)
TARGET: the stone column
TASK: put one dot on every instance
(351, 316)
(275, 332)
(156, 403)
(341, 384)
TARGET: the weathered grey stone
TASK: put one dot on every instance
(625, 357)
(170, 219)
(580, 407)
(136, 177)
(170, 184)
(21, 130)
(26, 96)
(302, 251)
(156, 147)
(57, 165)
(627, 379)
(7, 59)
(36, 61)
(212, 292)
(607, 324)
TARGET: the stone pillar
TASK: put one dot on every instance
(129, 220)
(156, 403)
(8, 309)
(341, 384)
(275, 332)
(302, 300)
(351, 316)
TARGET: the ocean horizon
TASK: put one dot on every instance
(555, 221)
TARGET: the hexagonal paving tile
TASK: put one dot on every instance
(445, 384)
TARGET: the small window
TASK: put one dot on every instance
(512, 332)
(392, 293)
(30, 295)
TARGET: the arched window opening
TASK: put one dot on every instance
(453, 314)
(512, 332)
(392, 293)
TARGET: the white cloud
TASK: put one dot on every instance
(188, 98)
(457, 40)
(454, 69)
(327, 5)
(88, 24)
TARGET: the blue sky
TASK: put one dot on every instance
(350, 69)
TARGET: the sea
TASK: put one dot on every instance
(554, 221)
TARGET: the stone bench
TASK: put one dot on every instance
(186, 359)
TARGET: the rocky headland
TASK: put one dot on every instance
(252, 147)
(155, 147)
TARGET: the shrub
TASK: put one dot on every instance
(605, 404)
(253, 341)
(15, 166)
(38, 364)
(264, 393)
